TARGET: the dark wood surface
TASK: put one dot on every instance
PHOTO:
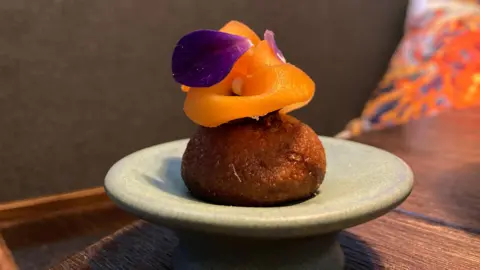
(444, 153)
(43, 240)
(24, 211)
(6, 259)
(437, 227)
(392, 242)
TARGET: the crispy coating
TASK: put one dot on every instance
(270, 161)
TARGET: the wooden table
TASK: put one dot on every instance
(437, 227)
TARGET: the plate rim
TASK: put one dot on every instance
(282, 226)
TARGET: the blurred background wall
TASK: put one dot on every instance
(83, 83)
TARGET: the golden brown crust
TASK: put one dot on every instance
(274, 160)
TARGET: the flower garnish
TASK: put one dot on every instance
(232, 74)
(269, 36)
(205, 57)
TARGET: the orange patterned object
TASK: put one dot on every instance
(435, 68)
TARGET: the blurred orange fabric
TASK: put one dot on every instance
(436, 67)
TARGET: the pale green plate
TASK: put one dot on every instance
(362, 183)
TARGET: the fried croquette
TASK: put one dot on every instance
(270, 161)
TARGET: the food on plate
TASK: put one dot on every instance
(247, 151)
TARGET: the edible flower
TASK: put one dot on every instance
(269, 36)
(205, 57)
(231, 74)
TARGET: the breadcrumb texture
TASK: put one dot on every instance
(274, 160)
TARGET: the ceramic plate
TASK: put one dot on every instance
(362, 183)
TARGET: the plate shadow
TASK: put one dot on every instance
(358, 254)
(168, 179)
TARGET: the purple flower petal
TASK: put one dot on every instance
(205, 57)
(269, 36)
